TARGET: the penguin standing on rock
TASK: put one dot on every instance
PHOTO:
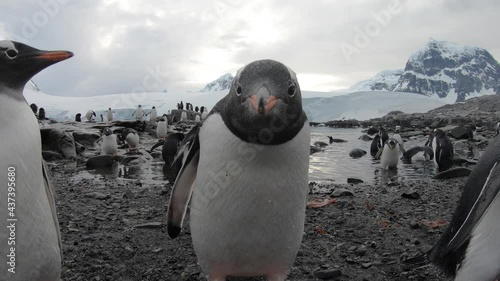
(131, 137)
(109, 143)
(139, 113)
(161, 129)
(41, 114)
(443, 149)
(109, 114)
(25, 175)
(250, 159)
(469, 249)
(154, 115)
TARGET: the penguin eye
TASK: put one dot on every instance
(11, 53)
(239, 90)
(291, 90)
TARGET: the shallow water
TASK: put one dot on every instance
(331, 164)
(334, 163)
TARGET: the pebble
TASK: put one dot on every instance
(340, 192)
(411, 195)
(329, 274)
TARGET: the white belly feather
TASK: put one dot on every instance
(248, 205)
(37, 249)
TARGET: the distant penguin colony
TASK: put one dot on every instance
(38, 247)
(261, 92)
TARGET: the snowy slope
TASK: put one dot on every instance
(361, 105)
(221, 84)
(366, 105)
(383, 81)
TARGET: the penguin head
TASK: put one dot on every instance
(438, 133)
(391, 143)
(20, 62)
(107, 131)
(264, 104)
(382, 131)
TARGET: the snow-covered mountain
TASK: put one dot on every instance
(383, 81)
(221, 84)
(366, 105)
(450, 71)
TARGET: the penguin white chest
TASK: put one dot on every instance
(21, 153)
(390, 157)
(110, 116)
(109, 144)
(434, 149)
(248, 204)
(161, 130)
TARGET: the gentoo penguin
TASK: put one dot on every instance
(418, 153)
(469, 249)
(29, 210)
(109, 114)
(498, 128)
(154, 115)
(102, 118)
(161, 129)
(139, 113)
(34, 107)
(443, 150)
(250, 158)
(132, 139)
(168, 152)
(90, 115)
(181, 106)
(382, 132)
(197, 118)
(109, 142)
(78, 117)
(202, 109)
(375, 145)
(398, 138)
(41, 114)
(204, 115)
(471, 131)
(390, 155)
(184, 116)
(196, 109)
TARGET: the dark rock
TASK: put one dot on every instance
(372, 131)
(357, 153)
(411, 195)
(354, 180)
(340, 192)
(85, 138)
(102, 161)
(365, 137)
(51, 155)
(329, 274)
(460, 132)
(453, 173)
(57, 140)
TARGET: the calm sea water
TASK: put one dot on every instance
(331, 164)
(334, 163)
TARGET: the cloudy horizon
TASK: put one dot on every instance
(131, 46)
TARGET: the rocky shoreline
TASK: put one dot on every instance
(113, 226)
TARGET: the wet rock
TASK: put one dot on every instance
(361, 250)
(51, 155)
(460, 132)
(98, 195)
(314, 149)
(365, 137)
(357, 153)
(329, 274)
(411, 195)
(59, 141)
(340, 192)
(86, 138)
(354, 180)
(102, 161)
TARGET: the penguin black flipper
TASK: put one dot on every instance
(50, 196)
(189, 154)
(479, 192)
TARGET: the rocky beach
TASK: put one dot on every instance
(114, 228)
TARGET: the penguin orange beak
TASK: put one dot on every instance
(262, 105)
(54, 56)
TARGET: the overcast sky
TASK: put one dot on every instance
(133, 46)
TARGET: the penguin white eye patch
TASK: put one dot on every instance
(11, 53)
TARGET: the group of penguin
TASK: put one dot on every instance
(247, 193)
(387, 149)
